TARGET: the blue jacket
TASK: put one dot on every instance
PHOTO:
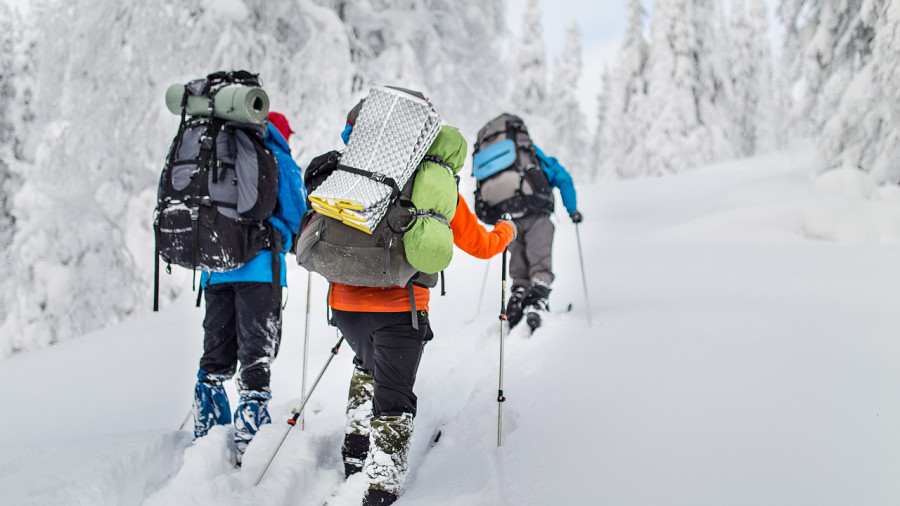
(559, 178)
(291, 206)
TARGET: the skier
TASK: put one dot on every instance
(243, 314)
(530, 262)
(377, 324)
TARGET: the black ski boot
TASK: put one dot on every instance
(536, 303)
(514, 307)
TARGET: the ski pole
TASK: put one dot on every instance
(293, 420)
(487, 269)
(186, 418)
(587, 300)
(305, 348)
(500, 397)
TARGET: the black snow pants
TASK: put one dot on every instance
(242, 324)
(388, 347)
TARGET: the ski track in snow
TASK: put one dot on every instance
(737, 357)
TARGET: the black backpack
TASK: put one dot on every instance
(508, 174)
(217, 189)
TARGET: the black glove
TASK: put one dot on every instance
(576, 216)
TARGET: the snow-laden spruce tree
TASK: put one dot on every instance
(597, 144)
(530, 82)
(569, 138)
(751, 66)
(688, 88)
(448, 49)
(7, 182)
(624, 129)
(768, 129)
(862, 130)
(740, 40)
(827, 43)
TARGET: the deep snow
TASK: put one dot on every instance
(743, 351)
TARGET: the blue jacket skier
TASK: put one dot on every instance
(504, 163)
(242, 325)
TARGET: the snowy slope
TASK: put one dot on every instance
(743, 352)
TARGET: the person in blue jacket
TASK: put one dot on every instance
(243, 314)
(531, 253)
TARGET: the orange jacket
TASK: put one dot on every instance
(469, 235)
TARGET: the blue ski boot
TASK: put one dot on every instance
(251, 413)
(210, 403)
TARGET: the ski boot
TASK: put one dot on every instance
(514, 307)
(250, 415)
(359, 413)
(536, 304)
(210, 403)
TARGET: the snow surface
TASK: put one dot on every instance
(743, 351)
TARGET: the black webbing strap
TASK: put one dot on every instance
(277, 248)
(374, 176)
(438, 160)
(156, 277)
(412, 305)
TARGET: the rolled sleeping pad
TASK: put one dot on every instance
(246, 104)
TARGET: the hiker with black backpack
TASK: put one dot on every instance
(243, 313)
(515, 179)
(383, 318)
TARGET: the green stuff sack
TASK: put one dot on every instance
(429, 243)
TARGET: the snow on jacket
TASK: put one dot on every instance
(468, 234)
(291, 206)
(559, 177)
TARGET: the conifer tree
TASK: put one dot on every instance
(624, 128)
(569, 123)
(530, 85)
(688, 88)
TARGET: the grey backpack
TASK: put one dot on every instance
(508, 174)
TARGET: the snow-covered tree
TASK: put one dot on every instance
(826, 44)
(843, 77)
(862, 131)
(530, 83)
(769, 133)
(569, 136)
(623, 130)
(751, 66)
(598, 145)
(740, 39)
(688, 88)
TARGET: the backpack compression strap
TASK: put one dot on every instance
(374, 176)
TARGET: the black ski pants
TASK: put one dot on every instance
(388, 347)
(242, 324)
